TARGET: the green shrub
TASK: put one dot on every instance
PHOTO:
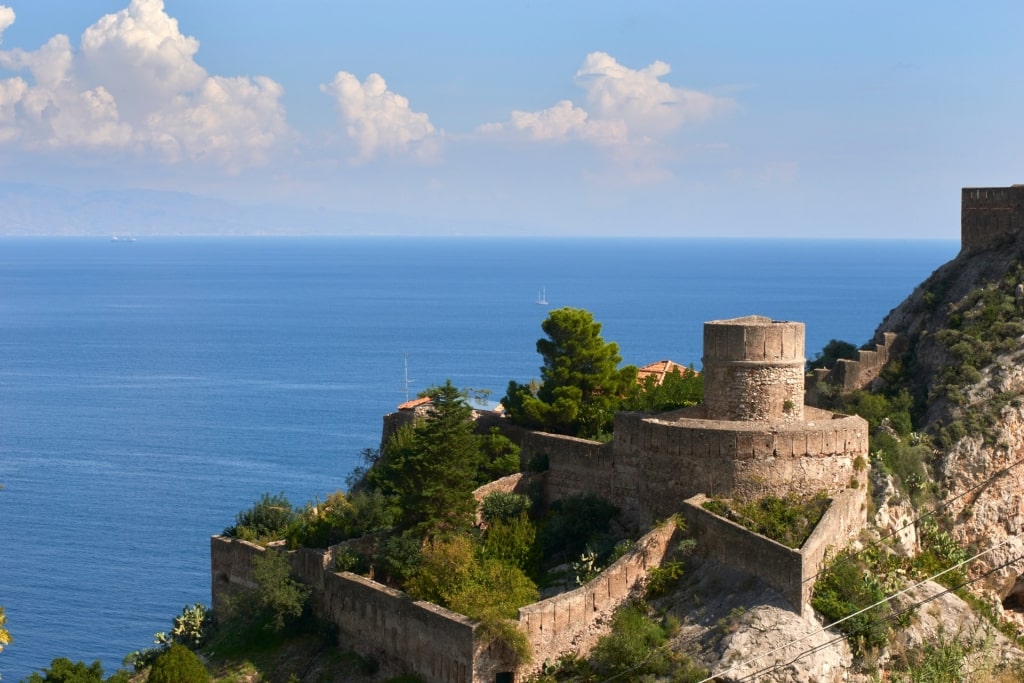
(63, 670)
(396, 559)
(845, 588)
(513, 541)
(504, 506)
(280, 598)
(939, 551)
(267, 520)
(660, 580)
(190, 627)
(788, 520)
(636, 648)
(178, 665)
(576, 523)
(832, 352)
(500, 456)
(943, 661)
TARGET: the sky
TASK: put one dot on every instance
(723, 118)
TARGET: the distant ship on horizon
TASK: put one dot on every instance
(122, 238)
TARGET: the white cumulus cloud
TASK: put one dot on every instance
(378, 120)
(134, 85)
(623, 106)
(6, 19)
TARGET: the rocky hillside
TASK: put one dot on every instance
(962, 335)
(959, 355)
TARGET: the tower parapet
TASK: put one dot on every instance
(754, 370)
(990, 214)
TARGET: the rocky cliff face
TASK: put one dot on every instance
(961, 331)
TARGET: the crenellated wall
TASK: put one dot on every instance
(656, 462)
(574, 621)
(408, 636)
(849, 375)
(989, 215)
(401, 634)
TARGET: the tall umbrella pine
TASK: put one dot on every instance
(581, 384)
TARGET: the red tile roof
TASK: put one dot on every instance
(416, 402)
(660, 369)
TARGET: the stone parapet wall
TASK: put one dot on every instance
(573, 622)
(989, 215)
(730, 544)
(849, 375)
(655, 463)
(842, 522)
(789, 571)
(403, 635)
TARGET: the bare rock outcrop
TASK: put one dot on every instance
(740, 629)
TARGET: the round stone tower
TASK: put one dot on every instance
(754, 370)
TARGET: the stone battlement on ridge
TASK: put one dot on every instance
(990, 215)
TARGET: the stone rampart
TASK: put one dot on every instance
(654, 463)
(574, 621)
(403, 635)
(990, 215)
(842, 522)
(400, 634)
(849, 375)
(407, 636)
(789, 571)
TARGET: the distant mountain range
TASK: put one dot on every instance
(34, 210)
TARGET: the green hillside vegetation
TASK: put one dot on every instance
(408, 519)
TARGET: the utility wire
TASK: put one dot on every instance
(891, 617)
(857, 613)
(925, 515)
(879, 541)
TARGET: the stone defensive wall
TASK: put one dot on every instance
(988, 215)
(850, 375)
(789, 571)
(654, 463)
(575, 621)
(410, 636)
(401, 634)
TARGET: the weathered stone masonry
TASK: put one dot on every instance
(990, 214)
(752, 437)
(747, 440)
(405, 635)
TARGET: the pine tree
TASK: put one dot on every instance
(581, 383)
(432, 471)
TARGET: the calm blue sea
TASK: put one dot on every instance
(150, 390)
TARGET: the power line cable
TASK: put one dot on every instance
(925, 515)
(859, 612)
(891, 617)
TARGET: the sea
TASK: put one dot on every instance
(152, 389)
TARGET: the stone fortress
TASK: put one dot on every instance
(990, 215)
(753, 436)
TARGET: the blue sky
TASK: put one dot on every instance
(726, 118)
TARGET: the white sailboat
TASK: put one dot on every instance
(542, 297)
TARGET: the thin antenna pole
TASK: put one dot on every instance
(407, 381)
